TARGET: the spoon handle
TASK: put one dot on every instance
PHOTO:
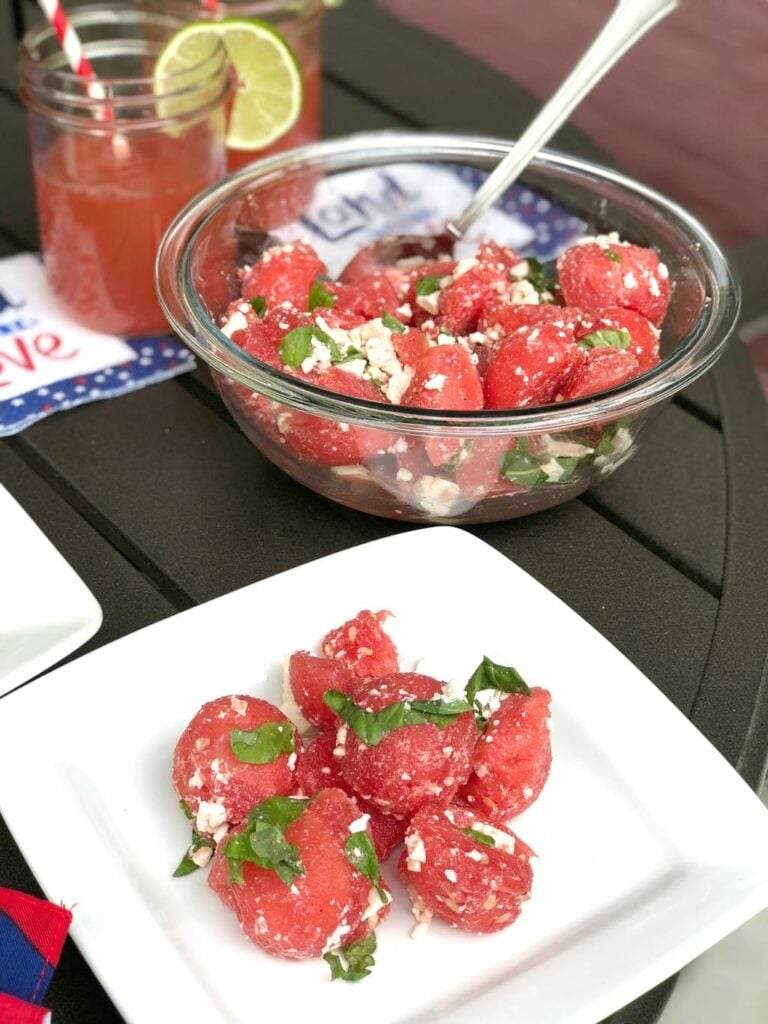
(629, 21)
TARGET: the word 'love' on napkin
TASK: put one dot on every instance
(49, 363)
(32, 933)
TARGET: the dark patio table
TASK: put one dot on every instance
(160, 503)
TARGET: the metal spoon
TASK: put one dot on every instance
(630, 20)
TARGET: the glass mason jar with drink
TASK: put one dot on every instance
(266, 118)
(116, 156)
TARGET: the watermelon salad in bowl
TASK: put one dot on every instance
(480, 385)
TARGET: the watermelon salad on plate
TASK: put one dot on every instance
(294, 809)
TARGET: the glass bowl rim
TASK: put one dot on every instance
(692, 357)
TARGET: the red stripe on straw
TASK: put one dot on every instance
(67, 36)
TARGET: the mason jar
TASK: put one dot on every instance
(116, 156)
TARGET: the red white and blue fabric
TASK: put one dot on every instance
(32, 933)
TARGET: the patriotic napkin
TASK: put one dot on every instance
(32, 933)
(49, 363)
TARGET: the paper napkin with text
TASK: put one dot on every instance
(49, 363)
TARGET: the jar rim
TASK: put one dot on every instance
(185, 312)
(49, 85)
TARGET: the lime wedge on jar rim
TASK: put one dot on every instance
(268, 94)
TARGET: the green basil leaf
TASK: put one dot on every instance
(259, 305)
(185, 810)
(186, 864)
(372, 726)
(352, 354)
(491, 676)
(263, 842)
(359, 960)
(542, 276)
(521, 468)
(393, 323)
(264, 744)
(479, 837)
(362, 856)
(428, 284)
(320, 296)
(297, 345)
(611, 254)
(280, 811)
(606, 339)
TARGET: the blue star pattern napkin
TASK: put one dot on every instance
(49, 363)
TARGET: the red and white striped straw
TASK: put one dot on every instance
(73, 49)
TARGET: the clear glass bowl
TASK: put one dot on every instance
(511, 463)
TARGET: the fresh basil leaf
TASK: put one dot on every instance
(479, 837)
(428, 284)
(362, 856)
(568, 465)
(185, 810)
(542, 276)
(359, 960)
(606, 339)
(393, 323)
(263, 842)
(372, 726)
(186, 864)
(351, 354)
(491, 676)
(320, 296)
(280, 811)
(263, 744)
(611, 254)
(297, 345)
(259, 305)
(521, 468)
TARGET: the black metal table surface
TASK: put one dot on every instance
(159, 503)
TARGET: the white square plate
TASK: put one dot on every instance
(46, 611)
(650, 847)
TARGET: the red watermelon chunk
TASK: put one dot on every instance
(284, 273)
(529, 367)
(603, 369)
(325, 907)
(217, 786)
(594, 275)
(318, 768)
(309, 678)
(414, 764)
(362, 645)
(445, 377)
(643, 336)
(466, 872)
(512, 757)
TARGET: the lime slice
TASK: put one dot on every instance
(268, 96)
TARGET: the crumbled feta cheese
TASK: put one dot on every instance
(451, 875)
(238, 705)
(430, 303)
(210, 816)
(435, 495)
(423, 916)
(435, 382)
(359, 824)
(523, 293)
(201, 856)
(416, 853)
